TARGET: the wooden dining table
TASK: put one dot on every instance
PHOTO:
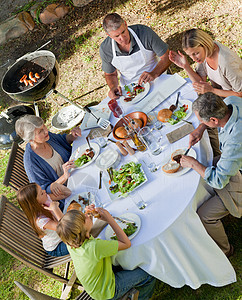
(172, 244)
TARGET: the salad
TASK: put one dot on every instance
(179, 115)
(136, 89)
(127, 178)
(84, 158)
(129, 230)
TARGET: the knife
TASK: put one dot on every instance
(187, 151)
(100, 179)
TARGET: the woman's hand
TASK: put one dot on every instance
(59, 191)
(53, 206)
(178, 59)
(202, 87)
(68, 166)
(55, 188)
(75, 132)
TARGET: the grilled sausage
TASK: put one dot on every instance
(23, 78)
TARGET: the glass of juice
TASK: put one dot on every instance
(115, 108)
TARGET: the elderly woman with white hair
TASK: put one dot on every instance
(46, 157)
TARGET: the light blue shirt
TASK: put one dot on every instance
(230, 139)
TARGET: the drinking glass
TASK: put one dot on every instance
(138, 201)
(157, 134)
(149, 140)
(151, 165)
(101, 140)
(152, 116)
(115, 108)
(93, 197)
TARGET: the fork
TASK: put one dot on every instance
(124, 220)
(90, 148)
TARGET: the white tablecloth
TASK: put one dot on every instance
(172, 244)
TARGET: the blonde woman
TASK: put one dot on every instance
(214, 61)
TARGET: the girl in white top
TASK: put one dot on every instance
(214, 61)
(43, 215)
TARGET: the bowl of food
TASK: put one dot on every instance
(140, 120)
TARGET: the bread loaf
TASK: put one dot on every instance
(121, 132)
(164, 115)
(171, 167)
(177, 155)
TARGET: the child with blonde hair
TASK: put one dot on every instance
(92, 257)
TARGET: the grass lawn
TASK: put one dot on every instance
(75, 42)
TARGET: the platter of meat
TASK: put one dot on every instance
(83, 157)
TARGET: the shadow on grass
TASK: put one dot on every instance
(169, 7)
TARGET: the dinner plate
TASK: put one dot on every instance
(80, 150)
(137, 98)
(181, 170)
(189, 111)
(129, 217)
(67, 117)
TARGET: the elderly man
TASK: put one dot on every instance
(224, 176)
(133, 52)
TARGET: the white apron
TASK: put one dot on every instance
(132, 66)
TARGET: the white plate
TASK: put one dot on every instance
(181, 171)
(189, 111)
(129, 217)
(67, 117)
(101, 111)
(108, 158)
(138, 97)
(80, 150)
(118, 194)
(76, 198)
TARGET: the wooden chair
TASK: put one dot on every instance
(15, 175)
(19, 239)
(34, 295)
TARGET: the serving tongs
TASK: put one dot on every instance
(103, 123)
(124, 220)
